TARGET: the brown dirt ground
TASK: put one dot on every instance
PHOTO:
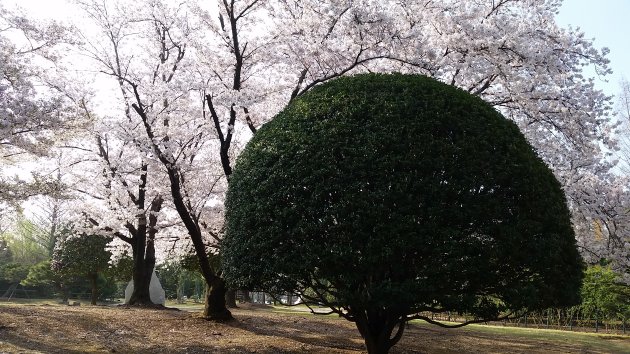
(100, 329)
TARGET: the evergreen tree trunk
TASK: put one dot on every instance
(180, 289)
(230, 298)
(93, 282)
(246, 297)
(376, 327)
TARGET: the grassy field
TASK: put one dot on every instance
(612, 343)
(43, 326)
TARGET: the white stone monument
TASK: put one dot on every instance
(156, 293)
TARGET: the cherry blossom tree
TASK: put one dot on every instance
(623, 115)
(114, 182)
(178, 143)
(196, 79)
(511, 53)
(128, 202)
(601, 220)
(601, 201)
(34, 110)
(152, 136)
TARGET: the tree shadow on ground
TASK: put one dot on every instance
(13, 342)
(93, 335)
(315, 335)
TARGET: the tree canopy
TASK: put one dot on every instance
(84, 256)
(385, 196)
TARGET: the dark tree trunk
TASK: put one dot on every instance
(246, 297)
(230, 298)
(376, 327)
(93, 282)
(215, 309)
(144, 255)
(141, 281)
(226, 140)
(144, 262)
(65, 296)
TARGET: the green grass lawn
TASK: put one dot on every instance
(612, 343)
(187, 306)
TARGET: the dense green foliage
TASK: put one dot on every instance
(24, 250)
(49, 283)
(604, 296)
(41, 274)
(179, 281)
(40, 280)
(13, 272)
(122, 268)
(400, 187)
(83, 256)
(394, 194)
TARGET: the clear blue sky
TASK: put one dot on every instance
(608, 22)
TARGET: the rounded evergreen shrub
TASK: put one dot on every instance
(383, 196)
